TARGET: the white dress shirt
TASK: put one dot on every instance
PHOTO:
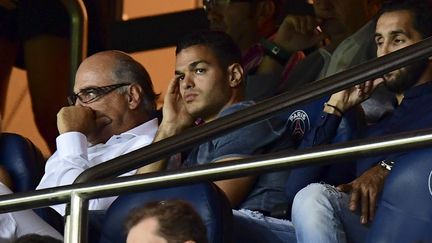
(74, 155)
(17, 224)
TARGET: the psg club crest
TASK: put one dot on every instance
(299, 124)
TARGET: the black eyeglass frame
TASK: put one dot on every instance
(100, 92)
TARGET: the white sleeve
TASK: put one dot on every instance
(68, 162)
(71, 159)
(28, 222)
(8, 226)
(17, 224)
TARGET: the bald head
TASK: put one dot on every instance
(119, 67)
(118, 90)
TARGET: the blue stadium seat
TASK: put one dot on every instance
(405, 211)
(25, 164)
(206, 198)
(23, 161)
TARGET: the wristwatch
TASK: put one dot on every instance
(386, 164)
(275, 52)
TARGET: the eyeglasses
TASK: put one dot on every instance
(92, 94)
(209, 4)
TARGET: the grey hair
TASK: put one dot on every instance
(127, 70)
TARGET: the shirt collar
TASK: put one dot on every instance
(148, 128)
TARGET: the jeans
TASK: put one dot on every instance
(320, 214)
(252, 226)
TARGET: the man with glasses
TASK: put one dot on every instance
(112, 113)
(324, 213)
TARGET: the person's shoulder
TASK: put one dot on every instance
(236, 107)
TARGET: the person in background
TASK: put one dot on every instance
(164, 222)
(351, 207)
(35, 36)
(259, 29)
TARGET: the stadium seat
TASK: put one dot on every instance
(206, 198)
(23, 161)
(405, 211)
(25, 164)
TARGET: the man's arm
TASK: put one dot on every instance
(296, 33)
(175, 119)
(339, 103)
(71, 158)
(365, 189)
(236, 190)
(364, 192)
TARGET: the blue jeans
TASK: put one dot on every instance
(320, 214)
(252, 226)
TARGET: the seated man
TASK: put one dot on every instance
(165, 221)
(208, 84)
(112, 113)
(349, 41)
(399, 24)
(348, 27)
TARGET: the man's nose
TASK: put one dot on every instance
(79, 103)
(187, 82)
(384, 50)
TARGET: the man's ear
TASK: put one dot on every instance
(236, 74)
(135, 96)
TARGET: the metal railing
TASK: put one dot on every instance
(79, 35)
(260, 111)
(79, 194)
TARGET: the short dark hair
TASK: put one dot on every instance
(126, 69)
(420, 9)
(225, 49)
(178, 221)
(35, 238)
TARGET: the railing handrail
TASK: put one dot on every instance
(78, 36)
(217, 171)
(262, 110)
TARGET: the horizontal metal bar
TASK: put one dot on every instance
(218, 171)
(262, 110)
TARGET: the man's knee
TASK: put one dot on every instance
(312, 200)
